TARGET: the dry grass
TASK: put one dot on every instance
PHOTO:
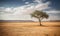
(29, 29)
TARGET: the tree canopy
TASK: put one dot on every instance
(39, 15)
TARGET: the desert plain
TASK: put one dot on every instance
(29, 29)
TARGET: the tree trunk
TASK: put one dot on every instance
(40, 22)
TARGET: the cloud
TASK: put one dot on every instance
(27, 8)
(6, 10)
(53, 11)
(38, 1)
(22, 12)
(26, 2)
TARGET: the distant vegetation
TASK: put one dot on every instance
(39, 15)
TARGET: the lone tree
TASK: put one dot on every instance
(39, 15)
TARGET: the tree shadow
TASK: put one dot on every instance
(49, 25)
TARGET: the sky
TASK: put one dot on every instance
(21, 9)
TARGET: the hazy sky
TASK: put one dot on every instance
(21, 9)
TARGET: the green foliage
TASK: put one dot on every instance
(39, 14)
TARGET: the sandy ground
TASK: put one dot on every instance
(29, 29)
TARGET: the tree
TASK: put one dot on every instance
(39, 15)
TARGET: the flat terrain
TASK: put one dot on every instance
(29, 29)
